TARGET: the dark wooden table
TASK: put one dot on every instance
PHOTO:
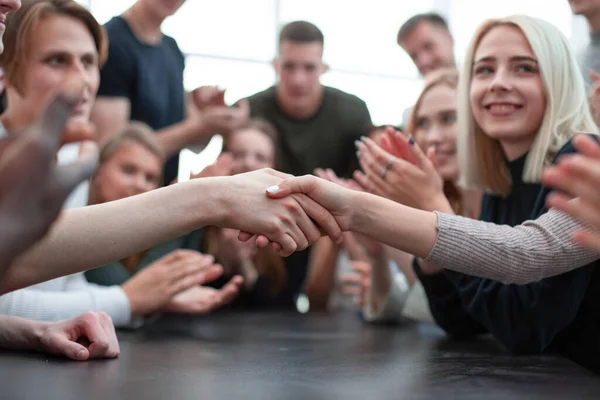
(288, 356)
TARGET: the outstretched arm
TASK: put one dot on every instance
(91, 236)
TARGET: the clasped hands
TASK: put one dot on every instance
(411, 179)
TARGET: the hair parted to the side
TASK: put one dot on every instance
(481, 158)
(410, 24)
(301, 32)
(20, 25)
(443, 76)
(135, 132)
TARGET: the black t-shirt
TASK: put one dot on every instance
(325, 140)
(150, 76)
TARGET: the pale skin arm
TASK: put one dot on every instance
(110, 115)
(91, 236)
(410, 230)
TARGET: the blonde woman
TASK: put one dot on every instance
(521, 101)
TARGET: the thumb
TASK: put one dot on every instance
(62, 345)
(594, 75)
(303, 184)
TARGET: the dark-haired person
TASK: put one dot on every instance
(428, 42)
(317, 125)
(142, 80)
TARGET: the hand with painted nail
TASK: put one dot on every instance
(292, 223)
(416, 183)
(336, 199)
(578, 176)
(32, 187)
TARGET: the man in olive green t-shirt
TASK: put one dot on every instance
(317, 125)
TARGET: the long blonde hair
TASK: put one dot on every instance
(567, 111)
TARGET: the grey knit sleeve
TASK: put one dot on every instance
(526, 253)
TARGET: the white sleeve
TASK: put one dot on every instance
(59, 305)
(393, 303)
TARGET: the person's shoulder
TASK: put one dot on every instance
(117, 28)
(344, 97)
(263, 97)
(568, 147)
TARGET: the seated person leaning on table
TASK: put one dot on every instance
(130, 164)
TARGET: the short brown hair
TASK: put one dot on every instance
(411, 23)
(301, 32)
(21, 23)
(136, 132)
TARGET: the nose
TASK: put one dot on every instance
(501, 81)
(424, 61)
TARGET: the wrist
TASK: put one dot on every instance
(356, 202)
(34, 333)
(212, 207)
(439, 203)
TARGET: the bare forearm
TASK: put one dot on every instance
(178, 136)
(321, 275)
(88, 237)
(19, 334)
(410, 230)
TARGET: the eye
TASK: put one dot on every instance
(449, 119)
(56, 60)
(484, 69)
(127, 169)
(527, 68)
(89, 61)
(422, 123)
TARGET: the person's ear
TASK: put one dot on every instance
(324, 68)
(276, 65)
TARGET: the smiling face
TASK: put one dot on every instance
(59, 49)
(435, 128)
(507, 95)
(252, 149)
(132, 170)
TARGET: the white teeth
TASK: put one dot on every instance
(502, 108)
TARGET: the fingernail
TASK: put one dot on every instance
(358, 155)
(363, 138)
(411, 139)
(357, 143)
(273, 189)
(81, 355)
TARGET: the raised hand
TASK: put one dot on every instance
(32, 187)
(358, 283)
(594, 97)
(578, 175)
(416, 185)
(90, 335)
(153, 288)
(202, 300)
(222, 167)
(208, 96)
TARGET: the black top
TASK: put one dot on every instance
(559, 313)
(150, 76)
(274, 356)
(325, 140)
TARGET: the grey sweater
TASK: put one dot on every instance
(522, 254)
